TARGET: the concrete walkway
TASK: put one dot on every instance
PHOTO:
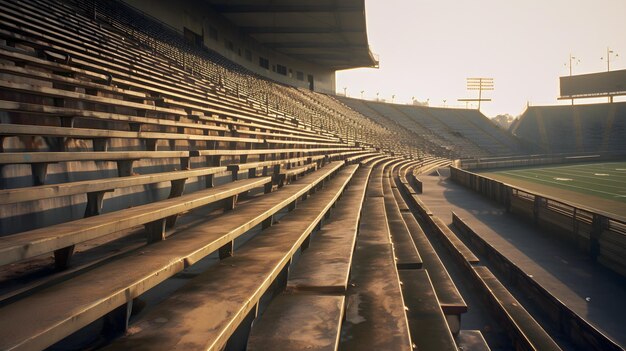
(594, 292)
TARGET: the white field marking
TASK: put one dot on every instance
(570, 186)
(619, 178)
(601, 174)
(563, 179)
(618, 184)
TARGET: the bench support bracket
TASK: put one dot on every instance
(155, 231)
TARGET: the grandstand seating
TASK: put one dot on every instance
(155, 195)
(574, 128)
(460, 132)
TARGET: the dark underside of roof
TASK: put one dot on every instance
(330, 33)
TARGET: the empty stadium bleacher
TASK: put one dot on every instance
(574, 128)
(443, 131)
(156, 195)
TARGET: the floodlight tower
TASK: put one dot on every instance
(481, 84)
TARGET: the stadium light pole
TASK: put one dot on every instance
(392, 98)
(570, 67)
(344, 91)
(608, 58)
(572, 58)
(609, 52)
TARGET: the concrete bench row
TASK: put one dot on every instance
(124, 56)
(102, 289)
(578, 330)
(525, 332)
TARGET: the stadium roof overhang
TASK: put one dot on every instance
(330, 33)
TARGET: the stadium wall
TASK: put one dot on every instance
(200, 18)
(536, 160)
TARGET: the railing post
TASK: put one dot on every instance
(598, 225)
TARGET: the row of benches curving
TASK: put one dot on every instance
(321, 277)
(41, 316)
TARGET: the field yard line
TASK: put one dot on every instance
(604, 179)
(586, 165)
(538, 175)
(566, 185)
(587, 168)
(581, 170)
(614, 174)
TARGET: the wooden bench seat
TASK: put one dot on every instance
(204, 313)
(64, 94)
(285, 163)
(295, 322)
(263, 119)
(427, 323)
(360, 157)
(375, 315)
(277, 134)
(298, 131)
(375, 186)
(11, 196)
(61, 94)
(260, 119)
(21, 58)
(402, 205)
(35, 22)
(124, 159)
(472, 340)
(134, 121)
(524, 330)
(407, 256)
(195, 153)
(290, 174)
(89, 133)
(325, 266)
(450, 299)
(102, 289)
(452, 241)
(48, 239)
(95, 48)
(372, 158)
(238, 167)
(58, 79)
(79, 56)
(7, 158)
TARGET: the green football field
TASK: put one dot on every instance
(590, 181)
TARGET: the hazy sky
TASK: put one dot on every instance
(428, 47)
